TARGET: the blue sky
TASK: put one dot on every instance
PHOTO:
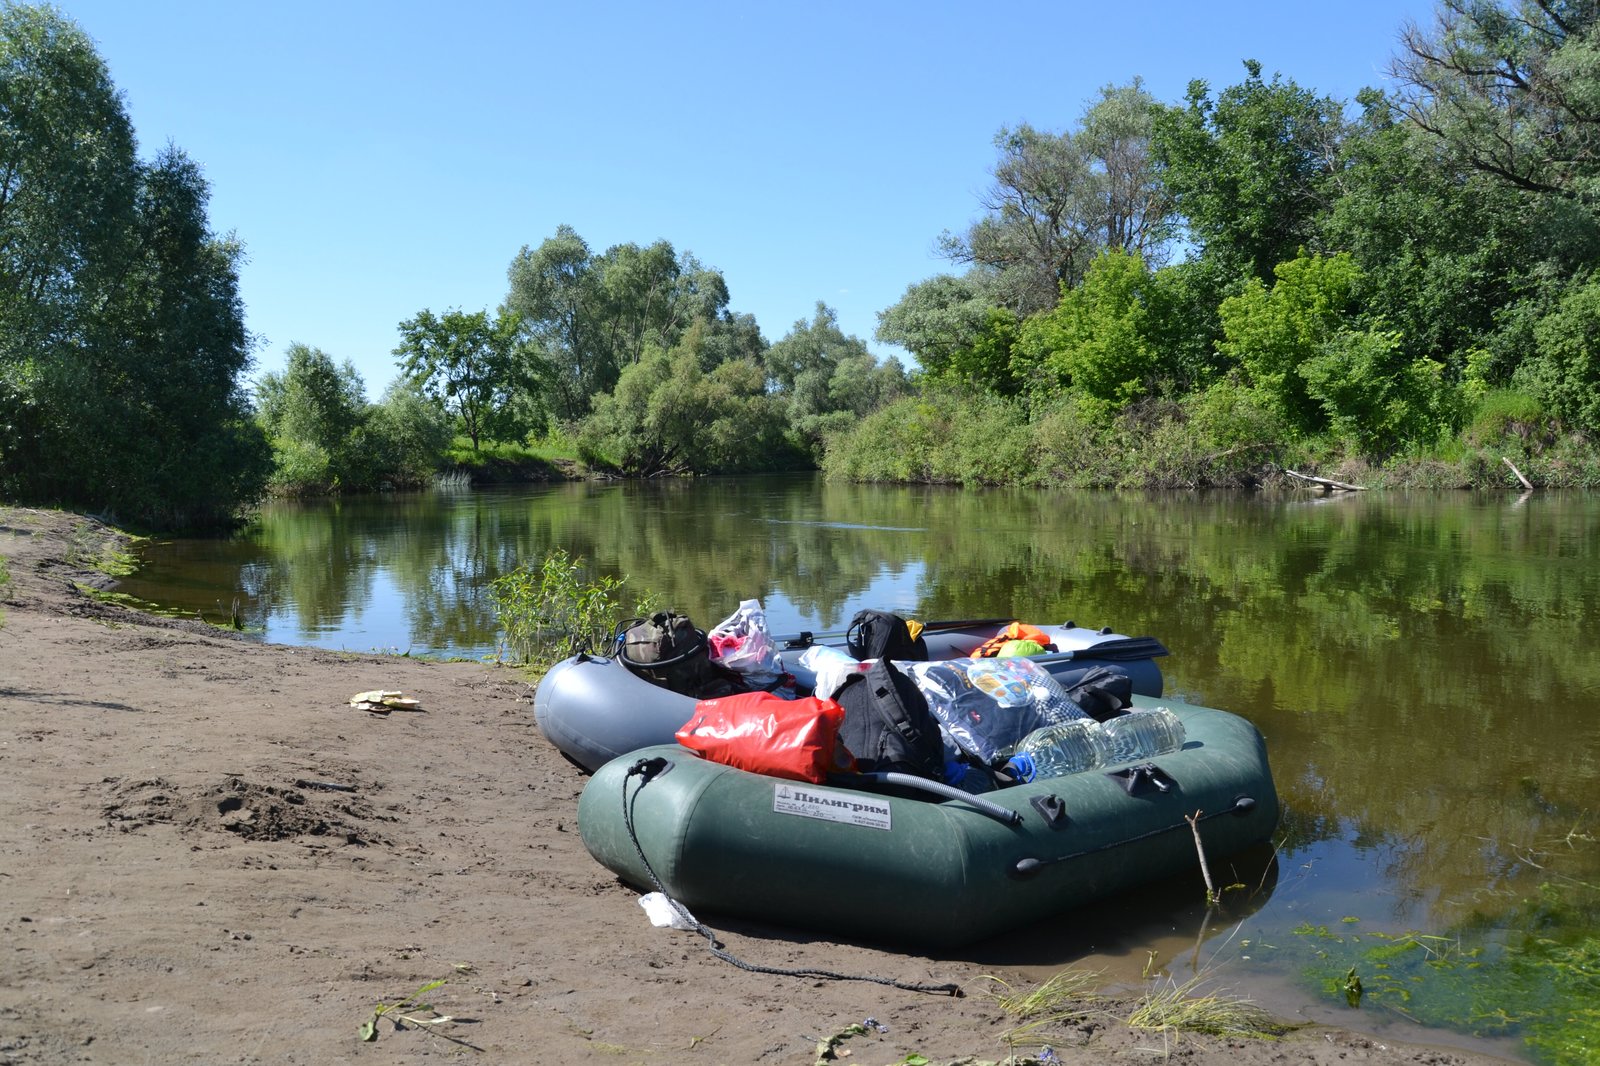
(380, 158)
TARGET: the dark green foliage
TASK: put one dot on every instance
(1251, 171)
(122, 337)
(1564, 371)
(668, 417)
(590, 316)
(478, 368)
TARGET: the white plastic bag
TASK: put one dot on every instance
(664, 913)
(826, 668)
(741, 642)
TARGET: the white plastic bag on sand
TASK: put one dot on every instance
(741, 642)
(664, 913)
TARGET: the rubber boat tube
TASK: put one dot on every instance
(897, 867)
(593, 709)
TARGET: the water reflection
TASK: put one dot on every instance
(1420, 665)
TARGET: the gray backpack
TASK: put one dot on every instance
(667, 650)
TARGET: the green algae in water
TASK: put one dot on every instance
(1539, 989)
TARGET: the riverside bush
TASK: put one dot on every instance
(555, 609)
(938, 438)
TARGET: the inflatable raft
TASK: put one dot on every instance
(593, 708)
(869, 858)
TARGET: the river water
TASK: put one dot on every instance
(1420, 665)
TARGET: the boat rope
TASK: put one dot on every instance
(646, 770)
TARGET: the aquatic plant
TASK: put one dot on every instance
(1503, 974)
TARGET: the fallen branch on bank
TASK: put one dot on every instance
(1326, 484)
(1525, 482)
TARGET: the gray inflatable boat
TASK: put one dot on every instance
(594, 709)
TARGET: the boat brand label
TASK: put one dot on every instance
(851, 808)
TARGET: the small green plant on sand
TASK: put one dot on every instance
(408, 1011)
(1064, 999)
(555, 609)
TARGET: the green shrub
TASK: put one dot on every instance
(1503, 414)
(937, 438)
(555, 609)
(301, 469)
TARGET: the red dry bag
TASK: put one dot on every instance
(766, 734)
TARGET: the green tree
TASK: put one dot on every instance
(403, 437)
(313, 412)
(667, 417)
(826, 378)
(592, 315)
(478, 367)
(1251, 171)
(1376, 400)
(957, 332)
(1097, 339)
(1271, 333)
(1443, 250)
(554, 291)
(1564, 371)
(1512, 89)
(1059, 199)
(122, 336)
(314, 400)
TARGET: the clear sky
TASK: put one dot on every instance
(380, 158)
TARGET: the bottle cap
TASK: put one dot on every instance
(1021, 766)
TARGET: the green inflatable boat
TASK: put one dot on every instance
(885, 858)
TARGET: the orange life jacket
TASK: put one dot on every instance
(1014, 631)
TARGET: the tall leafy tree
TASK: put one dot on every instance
(668, 417)
(122, 337)
(1443, 249)
(1098, 339)
(1272, 333)
(593, 315)
(314, 400)
(478, 367)
(826, 378)
(1251, 170)
(1512, 87)
(938, 320)
(1059, 199)
(554, 291)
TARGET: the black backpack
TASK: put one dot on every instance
(881, 635)
(1102, 692)
(887, 724)
(667, 650)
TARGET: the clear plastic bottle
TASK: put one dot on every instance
(1057, 750)
(1142, 735)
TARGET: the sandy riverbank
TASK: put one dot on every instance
(172, 892)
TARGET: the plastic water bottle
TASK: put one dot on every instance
(1056, 750)
(1142, 734)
